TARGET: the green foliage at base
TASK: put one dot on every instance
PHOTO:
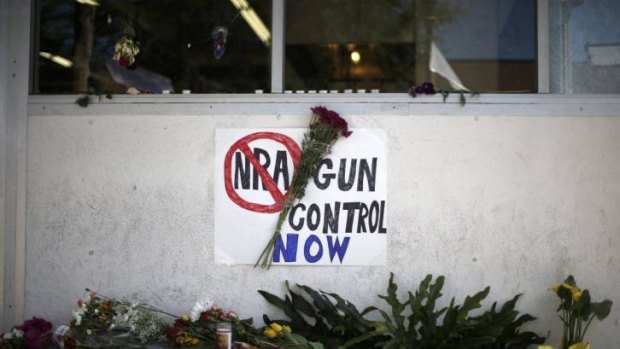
(415, 322)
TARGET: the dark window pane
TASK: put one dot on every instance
(482, 45)
(176, 43)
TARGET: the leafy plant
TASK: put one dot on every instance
(416, 323)
(577, 311)
(326, 317)
(505, 325)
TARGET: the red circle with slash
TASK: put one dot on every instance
(242, 145)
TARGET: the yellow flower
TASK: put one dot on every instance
(574, 291)
(270, 333)
(286, 328)
(276, 327)
(553, 288)
(580, 346)
(545, 347)
(185, 318)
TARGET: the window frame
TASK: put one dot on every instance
(382, 103)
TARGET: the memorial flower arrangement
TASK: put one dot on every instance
(198, 329)
(314, 320)
(99, 321)
(35, 333)
(577, 311)
(326, 127)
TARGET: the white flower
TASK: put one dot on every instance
(111, 327)
(78, 318)
(96, 311)
(15, 333)
(89, 332)
(199, 308)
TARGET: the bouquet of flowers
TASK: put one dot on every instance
(577, 311)
(198, 329)
(126, 49)
(100, 322)
(35, 333)
(326, 126)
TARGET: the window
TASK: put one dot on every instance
(585, 46)
(482, 45)
(343, 45)
(176, 39)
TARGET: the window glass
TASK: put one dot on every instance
(480, 45)
(215, 46)
(584, 46)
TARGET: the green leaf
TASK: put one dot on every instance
(315, 345)
(362, 338)
(301, 304)
(444, 94)
(570, 280)
(602, 310)
(472, 303)
(387, 321)
(476, 342)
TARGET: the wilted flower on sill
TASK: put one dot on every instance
(427, 88)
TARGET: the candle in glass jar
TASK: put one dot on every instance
(223, 336)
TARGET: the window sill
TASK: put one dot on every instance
(361, 104)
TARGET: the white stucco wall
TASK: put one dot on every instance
(124, 204)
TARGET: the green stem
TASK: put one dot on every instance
(266, 257)
(583, 334)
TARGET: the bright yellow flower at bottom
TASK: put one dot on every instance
(276, 327)
(270, 333)
(545, 347)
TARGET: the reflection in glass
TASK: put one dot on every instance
(177, 41)
(480, 45)
(584, 46)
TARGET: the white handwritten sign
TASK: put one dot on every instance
(341, 220)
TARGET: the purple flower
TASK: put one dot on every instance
(426, 88)
(218, 50)
(37, 332)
